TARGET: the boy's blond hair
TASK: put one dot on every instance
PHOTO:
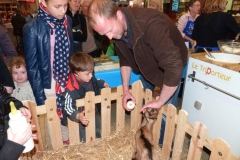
(81, 62)
(16, 61)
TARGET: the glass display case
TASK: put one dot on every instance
(236, 5)
(7, 10)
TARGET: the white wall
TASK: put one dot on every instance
(229, 5)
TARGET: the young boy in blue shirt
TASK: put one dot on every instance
(81, 80)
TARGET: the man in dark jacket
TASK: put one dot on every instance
(18, 22)
(146, 41)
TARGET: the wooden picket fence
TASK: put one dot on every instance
(176, 124)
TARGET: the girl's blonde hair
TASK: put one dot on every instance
(16, 61)
(158, 3)
(211, 6)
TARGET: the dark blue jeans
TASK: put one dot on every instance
(173, 100)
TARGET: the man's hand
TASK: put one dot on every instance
(164, 96)
(126, 96)
(152, 104)
(26, 113)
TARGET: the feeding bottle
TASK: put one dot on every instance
(130, 104)
(18, 124)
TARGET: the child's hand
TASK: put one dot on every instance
(84, 120)
(106, 85)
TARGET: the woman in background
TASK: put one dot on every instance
(186, 21)
(214, 24)
(89, 46)
(79, 28)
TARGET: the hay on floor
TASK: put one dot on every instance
(119, 146)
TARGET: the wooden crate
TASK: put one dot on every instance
(176, 124)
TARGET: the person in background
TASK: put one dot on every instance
(89, 46)
(81, 80)
(5, 77)
(48, 44)
(213, 24)
(18, 22)
(79, 27)
(186, 21)
(11, 145)
(7, 50)
(123, 3)
(23, 90)
(137, 4)
(28, 16)
(147, 42)
(156, 4)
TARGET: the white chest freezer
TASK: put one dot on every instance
(212, 96)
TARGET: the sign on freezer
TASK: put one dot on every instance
(212, 72)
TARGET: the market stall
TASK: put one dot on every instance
(212, 96)
(108, 69)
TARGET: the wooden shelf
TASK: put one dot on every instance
(8, 8)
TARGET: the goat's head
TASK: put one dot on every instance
(151, 114)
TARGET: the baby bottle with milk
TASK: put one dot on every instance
(130, 104)
(18, 123)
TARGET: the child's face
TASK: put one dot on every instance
(153, 6)
(19, 75)
(56, 8)
(84, 76)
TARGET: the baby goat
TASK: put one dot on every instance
(145, 148)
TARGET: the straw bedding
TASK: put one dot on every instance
(119, 146)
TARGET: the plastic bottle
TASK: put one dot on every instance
(18, 123)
